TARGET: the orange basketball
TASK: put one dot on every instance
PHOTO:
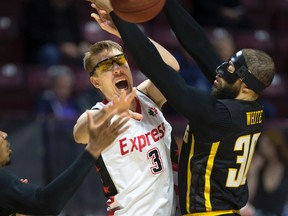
(137, 11)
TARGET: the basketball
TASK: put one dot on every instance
(137, 11)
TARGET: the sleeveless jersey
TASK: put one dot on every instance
(215, 160)
(136, 169)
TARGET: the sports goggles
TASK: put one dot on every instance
(107, 64)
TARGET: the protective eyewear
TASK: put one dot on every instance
(241, 71)
(107, 64)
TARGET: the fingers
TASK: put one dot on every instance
(93, 5)
(135, 115)
(100, 11)
(3, 135)
(107, 118)
(95, 16)
(25, 181)
(132, 95)
(117, 127)
(127, 98)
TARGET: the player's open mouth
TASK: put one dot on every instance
(121, 84)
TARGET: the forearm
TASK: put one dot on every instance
(51, 199)
(171, 84)
(60, 190)
(193, 39)
(147, 87)
(167, 57)
(148, 60)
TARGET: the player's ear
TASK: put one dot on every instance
(245, 89)
(95, 82)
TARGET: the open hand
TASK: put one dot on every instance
(123, 103)
(102, 133)
(104, 20)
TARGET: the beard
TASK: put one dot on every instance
(226, 92)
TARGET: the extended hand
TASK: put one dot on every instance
(123, 103)
(102, 133)
(102, 4)
(102, 16)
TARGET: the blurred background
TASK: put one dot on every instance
(44, 88)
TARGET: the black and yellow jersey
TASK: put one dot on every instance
(215, 159)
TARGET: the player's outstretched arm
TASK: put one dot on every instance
(193, 38)
(51, 199)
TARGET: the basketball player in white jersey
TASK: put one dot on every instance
(136, 170)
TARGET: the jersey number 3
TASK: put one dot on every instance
(156, 160)
(245, 144)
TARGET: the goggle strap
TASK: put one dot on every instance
(253, 83)
(249, 79)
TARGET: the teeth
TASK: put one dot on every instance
(120, 81)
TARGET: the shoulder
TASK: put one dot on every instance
(150, 90)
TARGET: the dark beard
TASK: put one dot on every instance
(228, 92)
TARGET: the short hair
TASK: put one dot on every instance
(95, 49)
(260, 64)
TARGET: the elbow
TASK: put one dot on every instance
(76, 134)
(79, 138)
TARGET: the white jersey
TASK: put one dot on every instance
(136, 169)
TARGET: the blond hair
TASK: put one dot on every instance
(95, 49)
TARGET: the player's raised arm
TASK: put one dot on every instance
(193, 38)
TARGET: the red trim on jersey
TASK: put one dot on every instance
(175, 167)
(110, 201)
